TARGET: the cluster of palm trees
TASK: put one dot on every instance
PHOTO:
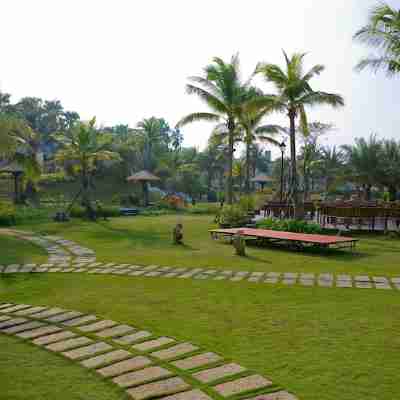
(239, 108)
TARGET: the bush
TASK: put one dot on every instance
(290, 225)
(105, 211)
(232, 216)
(204, 208)
(247, 203)
(7, 213)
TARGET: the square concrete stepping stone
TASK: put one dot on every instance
(23, 327)
(344, 278)
(307, 282)
(281, 395)
(196, 394)
(241, 385)
(142, 376)
(288, 281)
(98, 326)
(40, 269)
(396, 281)
(6, 305)
(80, 320)
(137, 273)
(199, 360)
(26, 269)
(153, 344)
(118, 330)
(213, 374)
(69, 344)
(237, 278)
(35, 333)
(86, 351)
(116, 355)
(344, 284)
(171, 275)
(53, 338)
(307, 277)
(272, 280)
(290, 275)
(54, 270)
(48, 313)
(12, 322)
(175, 351)
(362, 278)
(10, 270)
(64, 317)
(122, 367)
(157, 389)
(363, 285)
(150, 268)
(325, 283)
(383, 286)
(274, 275)
(380, 279)
(153, 274)
(132, 338)
(325, 277)
(4, 318)
(15, 308)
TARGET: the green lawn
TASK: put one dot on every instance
(16, 251)
(322, 344)
(147, 240)
(27, 372)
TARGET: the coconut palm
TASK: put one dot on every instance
(84, 146)
(223, 92)
(382, 33)
(331, 167)
(251, 116)
(295, 95)
(364, 162)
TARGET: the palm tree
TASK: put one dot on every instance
(364, 162)
(250, 118)
(332, 163)
(223, 92)
(152, 132)
(84, 146)
(295, 94)
(382, 33)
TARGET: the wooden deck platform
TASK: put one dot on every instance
(297, 240)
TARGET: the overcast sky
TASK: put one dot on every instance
(125, 60)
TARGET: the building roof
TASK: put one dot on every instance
(143, 176)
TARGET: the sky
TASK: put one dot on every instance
(125, 60)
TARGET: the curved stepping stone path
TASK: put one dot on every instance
(147, 367)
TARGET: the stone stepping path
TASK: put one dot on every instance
(68, 257)
(145, 366)
(325, 280)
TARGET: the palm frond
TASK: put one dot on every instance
(212, 101)
(198, 117)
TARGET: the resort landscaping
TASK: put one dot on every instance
(138, 263)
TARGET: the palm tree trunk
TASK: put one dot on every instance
(231, 129)
(247, 183)
(298, 213)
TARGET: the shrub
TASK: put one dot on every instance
(7, 213)
(104, 211)
(233, 216)
(289, 225)
(247, 203)
(204, 208)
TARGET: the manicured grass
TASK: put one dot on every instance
(17, 251)
(322, 344)
(27, 372)
(148, 240)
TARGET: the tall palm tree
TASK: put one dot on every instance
(84, 146)
(295, 94)
(332, 163)
(382, 33)
(223, 92)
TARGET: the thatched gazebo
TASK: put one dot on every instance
(16, 170)
(262, 180)
(144, 177)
